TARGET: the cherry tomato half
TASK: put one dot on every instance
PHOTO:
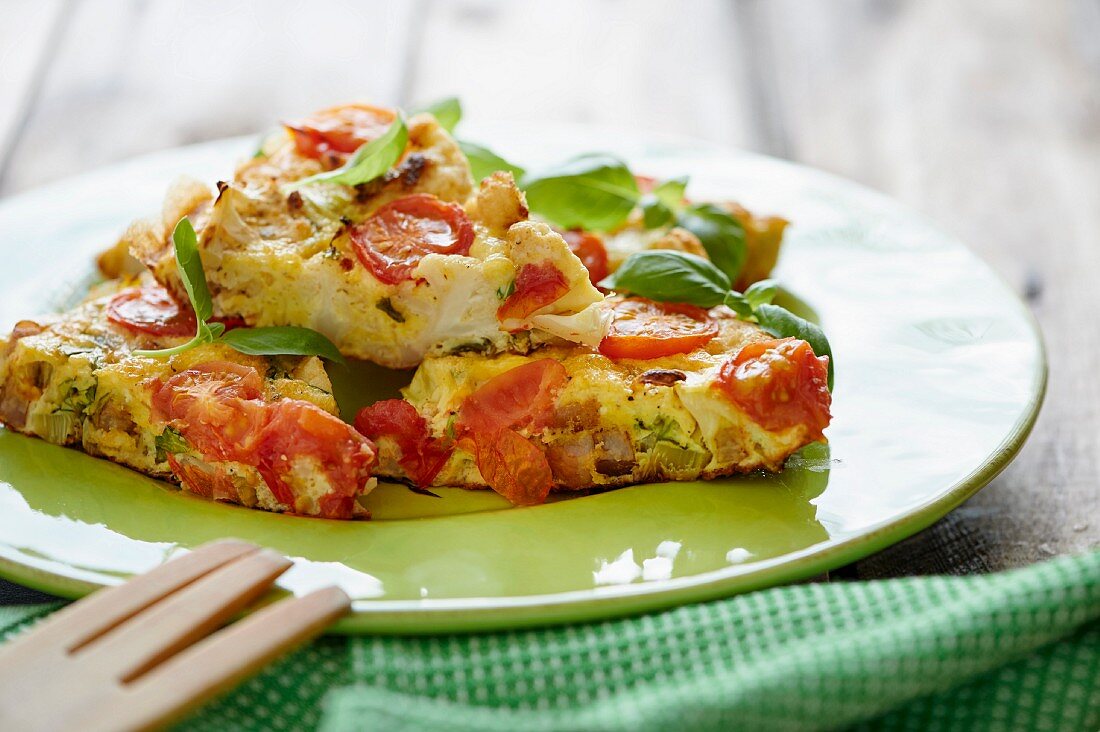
(646, 329)
(422, 457)
(336, 132)
(537, 285)
(150, 309)
(779, 384)
(392, 241)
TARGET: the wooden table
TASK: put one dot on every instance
(983, 115)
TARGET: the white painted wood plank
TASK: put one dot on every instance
(669, 67)
(25, 52)
(130, 78)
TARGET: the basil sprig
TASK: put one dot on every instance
(660, 206)
(447, 111)
(484, 162)
(269, 341)
(370, 161)
(672, 276)
(595, 191)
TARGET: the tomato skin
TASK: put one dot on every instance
(393, 240)
(514, 467)
(590, 249)
(218, 409)
(333, 134)
(516, 398)
(779, 384)
(300, 430)
(215, 484)
(421, 456)
(511, 464)
(644, 329)
(150, 309)
(537, 285)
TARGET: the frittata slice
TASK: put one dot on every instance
(259, 431)
(414, 264)
(674, 393)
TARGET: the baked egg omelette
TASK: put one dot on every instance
(261, 431)
(414, 263)
(674, 392)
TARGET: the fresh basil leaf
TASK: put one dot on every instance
(370, 161)
(671, 192)
(661, 205)
(484, 162)
(670, 276)
(761, 293)
(655, 213)
(191, 272)
(169, 442)
(739, 304)
(721, 234)
(783, 323)
(595, 192)
(448, 112)
(282, 340)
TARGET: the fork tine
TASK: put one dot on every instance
(85, 621)
(220, 662)
(148, 638)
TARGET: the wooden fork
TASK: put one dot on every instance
(136, 656)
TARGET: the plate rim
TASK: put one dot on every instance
(478, 614)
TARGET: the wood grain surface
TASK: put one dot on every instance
(985, 116)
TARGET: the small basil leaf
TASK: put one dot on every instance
(785, 324)
(722, 236)
(370, 161)
(448, 112)
(655, 213)
(671, 192)
(282, 340)
(191, 272)
(761, 293)
(595, 192)
(670, 276)
(739, 304)
(484, 162)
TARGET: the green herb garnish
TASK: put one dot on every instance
(484, 162)
(169, 442)
(595, 191)
(272, 341)
(672, 276)
(370, 161)
(447, 112)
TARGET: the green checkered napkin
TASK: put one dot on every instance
(1014, 651)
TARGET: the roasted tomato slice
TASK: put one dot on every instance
(590, 250)
(302, 435)
(514, 467)
(209, 481)
(334, 133)
(422, 456)
(518, 397)
(524, 396)
(646, 329)
(392, 241)
(779, 384)
(537, 285)
(150, 309)
(215, 406)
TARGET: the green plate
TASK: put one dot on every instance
(940, 374)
